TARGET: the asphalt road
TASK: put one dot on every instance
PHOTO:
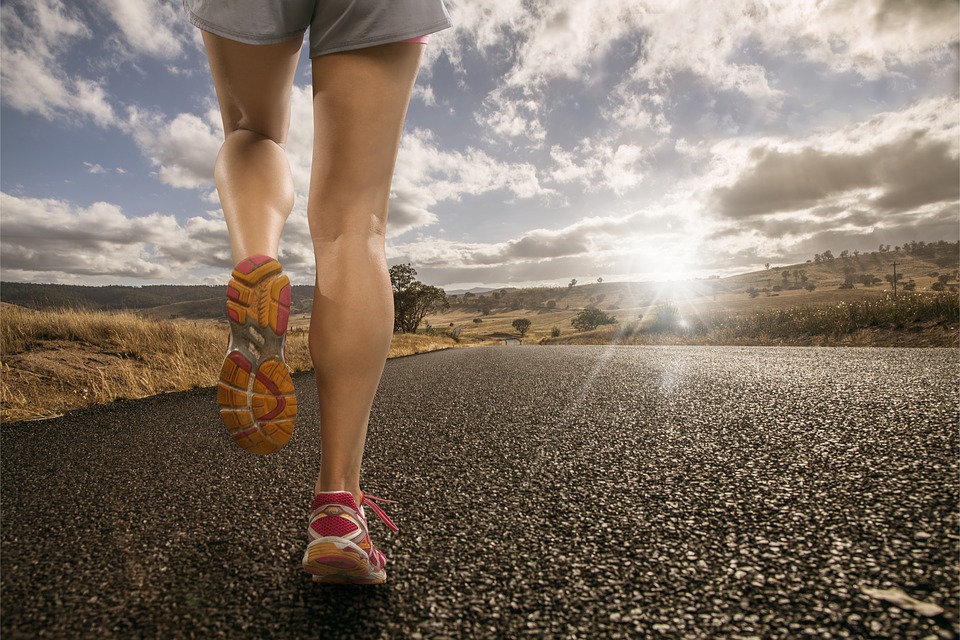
(555, 492)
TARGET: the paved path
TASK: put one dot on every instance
(555, 492)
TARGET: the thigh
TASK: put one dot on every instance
(253, 83)
(360, 101)
(346, 25)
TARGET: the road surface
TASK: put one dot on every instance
(545, 492)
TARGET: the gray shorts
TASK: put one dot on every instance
(335, 25)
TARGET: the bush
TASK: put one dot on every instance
(555, 332)
(522, 325)
(666, 318)
(591, 319)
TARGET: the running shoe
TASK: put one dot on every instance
(257, 401)
(340, 550)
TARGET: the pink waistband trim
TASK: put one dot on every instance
(420, 40)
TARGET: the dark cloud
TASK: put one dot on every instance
(824, 219)
(912, 171)
(894, 15)
(408, 210)
(547, 246)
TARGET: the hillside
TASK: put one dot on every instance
(920, 266)
(159, 302)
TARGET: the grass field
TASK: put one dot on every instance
(57, 361)
(698, 312)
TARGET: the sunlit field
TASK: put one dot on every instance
(695, 312)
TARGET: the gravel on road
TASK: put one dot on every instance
(545, 492)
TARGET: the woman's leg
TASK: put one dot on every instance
(252, 173)
(360, 102)
(256, 395)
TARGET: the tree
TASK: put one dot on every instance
(572, 284)
(591, 319)
(599, 280)
(810, 287)
(412, 300)
(522, 325)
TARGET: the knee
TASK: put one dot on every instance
(329, 227)
(251, 133)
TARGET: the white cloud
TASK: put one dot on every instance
(94, 168)
(599, 165)
(36, 36)
(150, 27)
(424, 93)
(184, 149)
(427, 175)
(508, 115)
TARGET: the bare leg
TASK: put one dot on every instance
(360, 102)
(252, 173)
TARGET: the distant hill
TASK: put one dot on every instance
(156, 301)
(919, 264)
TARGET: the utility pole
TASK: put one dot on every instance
(894, 279)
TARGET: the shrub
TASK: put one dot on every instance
(667, 317)
(591, 319)
(522, 325)
(555, 332)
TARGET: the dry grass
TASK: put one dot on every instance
(57, 361)
(917, 320)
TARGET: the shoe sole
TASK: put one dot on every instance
(258, 404)
(333, 560)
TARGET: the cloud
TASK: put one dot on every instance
(424, 93)
(600, 164)
(872, 37)
(894, 173)
(36, 38)
(183, 149)
(894, 177)
(427, 175)
(52, 240)
(94, 168)
(590, 236)
(154, 28)
(507, 115)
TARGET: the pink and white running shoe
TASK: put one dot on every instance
(340, 550)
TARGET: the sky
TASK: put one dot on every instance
(546, 140)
